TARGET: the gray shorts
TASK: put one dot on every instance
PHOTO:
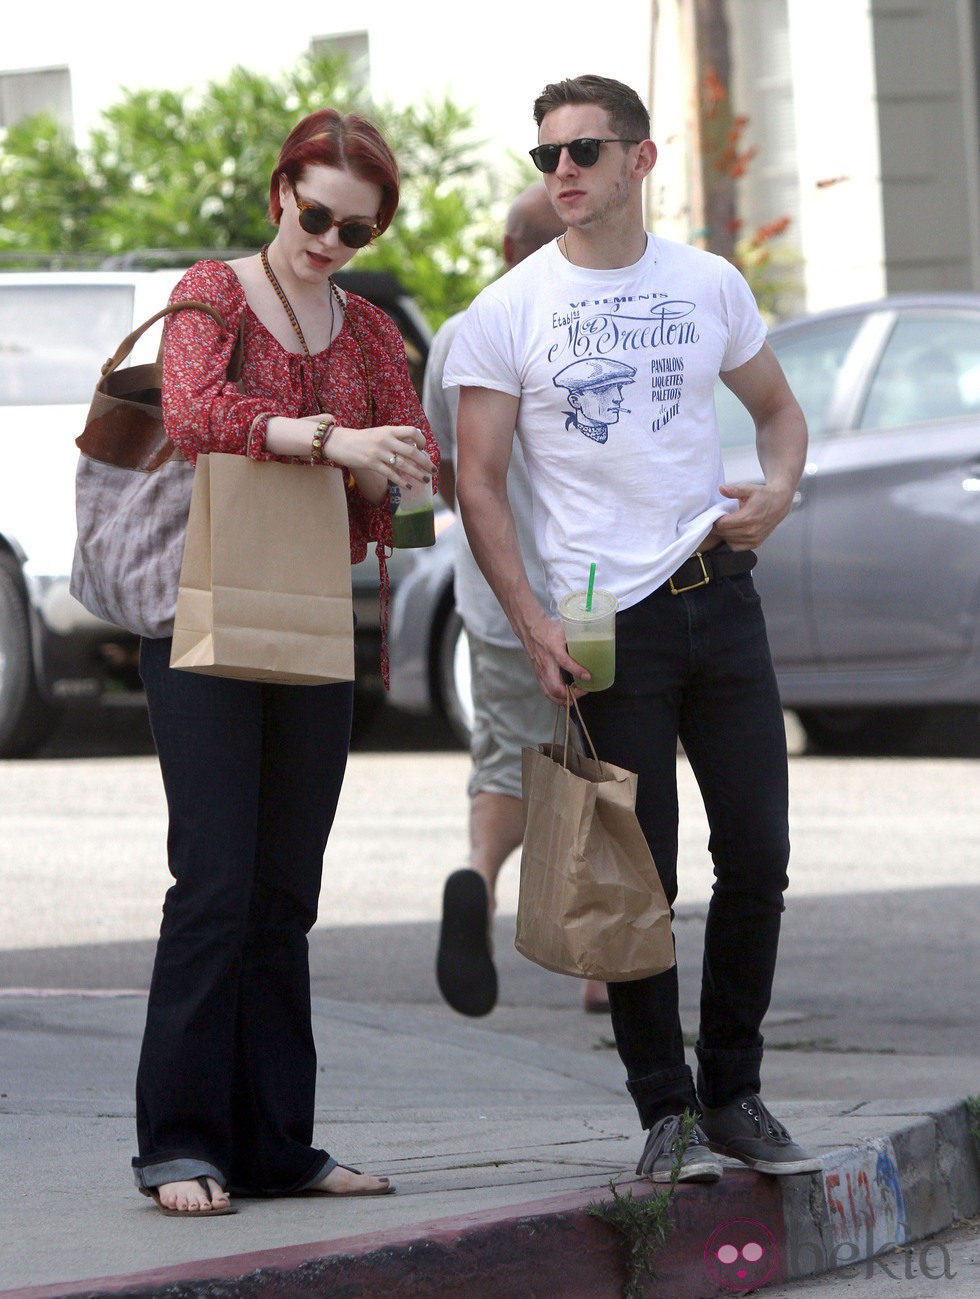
(509, 710)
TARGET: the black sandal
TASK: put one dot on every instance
(385, 1189)
(464, 966)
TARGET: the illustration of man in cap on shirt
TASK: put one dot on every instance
(595, 394)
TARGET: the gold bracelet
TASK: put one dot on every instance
(320, 435)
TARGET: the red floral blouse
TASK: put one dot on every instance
(204, 412)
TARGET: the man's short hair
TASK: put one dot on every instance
(628, 116)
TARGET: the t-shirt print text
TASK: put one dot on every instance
(594, 379)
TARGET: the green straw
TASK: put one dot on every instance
(588, 594)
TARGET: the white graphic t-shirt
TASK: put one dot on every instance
(616, 372)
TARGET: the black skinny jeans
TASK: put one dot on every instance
(697, 666)
(227, 1073)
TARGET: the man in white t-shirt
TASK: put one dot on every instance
(509, 710)
(635, 483)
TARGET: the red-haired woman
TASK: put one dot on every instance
(252, 771)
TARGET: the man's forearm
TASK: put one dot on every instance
(781, 445)
(485, 429)
(447, 483)
(492, 536)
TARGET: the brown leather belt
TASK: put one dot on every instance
(707, 564)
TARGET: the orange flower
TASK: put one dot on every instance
(741, 163)
(714, 91)
(770, 230)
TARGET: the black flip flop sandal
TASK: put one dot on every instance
(387, 1189)
(464, 967)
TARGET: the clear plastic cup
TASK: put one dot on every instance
(590, 635)
(413, 523)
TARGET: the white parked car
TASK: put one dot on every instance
(57, 328)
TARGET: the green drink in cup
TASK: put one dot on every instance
(413, 522)
(590, 634)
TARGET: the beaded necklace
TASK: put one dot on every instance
(335, 297)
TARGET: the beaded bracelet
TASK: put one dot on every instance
(320, 435)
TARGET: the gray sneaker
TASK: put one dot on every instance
(698, 1164)
(746, 1130)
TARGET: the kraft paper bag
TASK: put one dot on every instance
(591, 903)
(265, 586)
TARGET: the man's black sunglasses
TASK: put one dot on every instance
(316, 220)
(584, 152)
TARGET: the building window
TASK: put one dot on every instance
(35, 90)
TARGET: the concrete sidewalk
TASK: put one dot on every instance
(497, 1146)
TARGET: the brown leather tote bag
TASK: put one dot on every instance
(133, 493)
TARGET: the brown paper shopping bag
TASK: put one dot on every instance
(265, 588)
(591, 903)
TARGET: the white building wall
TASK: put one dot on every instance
(803, 73)
(841, 231)
(968, 64)
(495, 59)
(927, 128)
(815, 80)
(670, 98)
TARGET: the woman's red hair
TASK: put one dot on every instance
(326, 139)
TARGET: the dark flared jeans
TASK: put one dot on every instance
(252, 774)
(697, 666)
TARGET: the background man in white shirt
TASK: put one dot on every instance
(509, 708)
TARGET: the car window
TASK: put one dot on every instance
(929, 370)
(55, 338)
(812, 357)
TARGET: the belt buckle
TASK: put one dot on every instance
(692, 586)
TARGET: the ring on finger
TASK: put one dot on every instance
(392, 459)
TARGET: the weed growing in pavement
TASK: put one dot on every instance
(644, 1224)
(973, 1114)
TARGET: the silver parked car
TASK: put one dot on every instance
(57, 327)
(872, 584)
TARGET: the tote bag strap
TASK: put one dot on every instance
(570, 703)
(130, 341)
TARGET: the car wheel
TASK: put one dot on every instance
(859, 730)
(454, 684)
(26, 720)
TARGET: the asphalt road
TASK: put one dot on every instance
(122, 731)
